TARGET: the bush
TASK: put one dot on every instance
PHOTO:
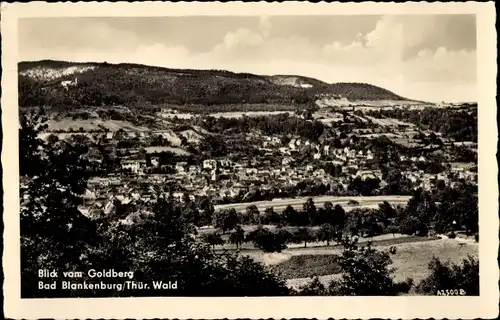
(452, 235)
(404, 286)
(213, 239)
(365, 272)
(313, 288)
(444, 275)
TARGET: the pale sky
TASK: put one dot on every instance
(426, 57)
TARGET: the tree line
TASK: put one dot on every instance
(443, 209)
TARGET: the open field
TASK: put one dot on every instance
(238, 114)
(407, 142)
(280, 204)
(320, 248)
(168, 115)
(411, 259)
(375, 104)
(389, 122)
(93, 124)
(248, 114)
(376, 135)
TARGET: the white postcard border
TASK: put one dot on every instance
(486, 305)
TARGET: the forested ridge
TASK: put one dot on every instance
(127, 84)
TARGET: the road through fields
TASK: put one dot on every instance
(280, 204)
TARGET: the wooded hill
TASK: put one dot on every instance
(103, 84)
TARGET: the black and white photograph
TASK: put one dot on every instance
(257, 155)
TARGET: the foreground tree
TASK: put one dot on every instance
(268, 241)
(310, 209)
(213, 239)
(464, 276)
(365, 272)
(339, 216)
(304, 235)
(271, 217)
(313, 288)
(237, 237)
(252, 215)
(226, 219)
(327, 233)
(53, 178)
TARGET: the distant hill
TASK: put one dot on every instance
(49, 82)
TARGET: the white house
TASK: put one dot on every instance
(326, 150)
(369, 155)
(180, 167)
(441, 176)
(109, 207)
(209, 164)
(226, 163)
(109, 135)
(178, 195)
(286, 161)
(276, 140)
(155, 162)
(132, 165)
(284, 151)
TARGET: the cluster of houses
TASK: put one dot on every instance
(227, 178)
(428, 181)
(297, 145)
(223, 178)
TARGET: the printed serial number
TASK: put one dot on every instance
(451, 292)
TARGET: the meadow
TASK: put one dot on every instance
(92, 125)
(410, 260)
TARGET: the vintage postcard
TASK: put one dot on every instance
(250, 160)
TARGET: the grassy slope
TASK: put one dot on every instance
(410, 260)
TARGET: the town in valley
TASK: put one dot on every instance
(255, 183)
